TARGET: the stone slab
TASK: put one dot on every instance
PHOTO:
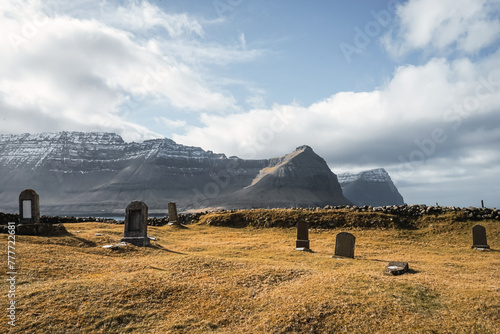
(344, 245)
(397, 268)
(302, 235)
(479, 237)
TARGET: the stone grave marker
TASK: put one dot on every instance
(172, 213)
(136, 224)
(29, 207)
(29, 217)
(479, 237)
(397, 268)
(302, 242)
(344, 245)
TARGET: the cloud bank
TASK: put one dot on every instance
(67, 70)
(434, 126)
(466, 26)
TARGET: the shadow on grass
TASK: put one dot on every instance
(176, 226)
(73, 237)
(156, 268)
(84, 241)
(160, 247)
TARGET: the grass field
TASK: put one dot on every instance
(206, 279)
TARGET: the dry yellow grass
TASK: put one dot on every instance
(207, 279)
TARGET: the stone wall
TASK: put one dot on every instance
(403, 216)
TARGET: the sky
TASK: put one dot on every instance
(412, 86)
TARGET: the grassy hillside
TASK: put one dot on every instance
(213, 279)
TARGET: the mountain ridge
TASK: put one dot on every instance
(300, 178)
(81, 172)
(372, 187)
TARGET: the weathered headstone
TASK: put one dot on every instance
(172, 213)
(29, 217)
(302, 242)
(136, 224)
(396, 268)
(479, 237)
(344, 245)
(29, 207)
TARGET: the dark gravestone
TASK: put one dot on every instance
(29, 207)
(302, 241)
(344, 245)
(172, 213)
(29, 217)
(136, 224)
(135, 219)
(479, 237)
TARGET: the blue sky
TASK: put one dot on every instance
(301, 57)
(411, 86)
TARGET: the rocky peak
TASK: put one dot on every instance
(372, 187)
(301, 168)
(302, 155)
(372, 175)
(304, 148)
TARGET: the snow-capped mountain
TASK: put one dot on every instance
(372, 175)
(79, 151)
(90, 173)
(372, 187)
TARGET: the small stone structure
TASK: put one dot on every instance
(29, 207)
(479, 237)
(172, 213)
(29, 217)
(136, 224)
(397, 268)
(344, 245)
(302, 242)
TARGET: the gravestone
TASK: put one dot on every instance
(344, 245)
(302, 241)
(136, 224)
(29, 207)
(397, 268)
(29, 217)
(479, 237)
(172, 213)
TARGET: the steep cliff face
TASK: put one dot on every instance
(373, 187)
(80, 172)
(301, 178)
(93, 173)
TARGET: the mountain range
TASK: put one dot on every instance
(98, 173)
(372, 187)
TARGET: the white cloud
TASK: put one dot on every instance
(198, 53)
(439, 116)
(416, 97)
(257, 98)
(80, 72)
(464, 25)
(144, 16)
(172, 124)
(243, 41)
